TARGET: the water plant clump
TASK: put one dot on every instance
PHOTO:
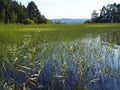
(88, 64)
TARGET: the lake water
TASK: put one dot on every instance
(89, 63)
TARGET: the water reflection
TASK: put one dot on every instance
(87, 64)
(90, 63)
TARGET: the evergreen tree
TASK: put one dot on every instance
(33, 12)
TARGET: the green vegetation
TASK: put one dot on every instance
(14, 34)
(13, 12)
(108, 14)
(41, 56)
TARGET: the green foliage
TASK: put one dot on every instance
(49, 21)
(88, 21)
(2, 14)
(13, 12)
(34, 13)
(108, 14)
(28, 21)
(43, 19)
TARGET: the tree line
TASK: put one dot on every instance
(13, 12)
(108, 14)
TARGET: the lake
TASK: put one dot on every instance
(91, 62)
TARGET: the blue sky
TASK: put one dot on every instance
(69, 8)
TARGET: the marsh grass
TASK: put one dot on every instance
(62, 57)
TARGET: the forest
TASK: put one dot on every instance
(108, 14)
(14, 12)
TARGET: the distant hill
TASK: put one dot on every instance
(69, 21)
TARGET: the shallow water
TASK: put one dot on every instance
(87, 64)
(90, 63)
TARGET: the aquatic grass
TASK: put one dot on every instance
(59, 57)
(75, 60)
